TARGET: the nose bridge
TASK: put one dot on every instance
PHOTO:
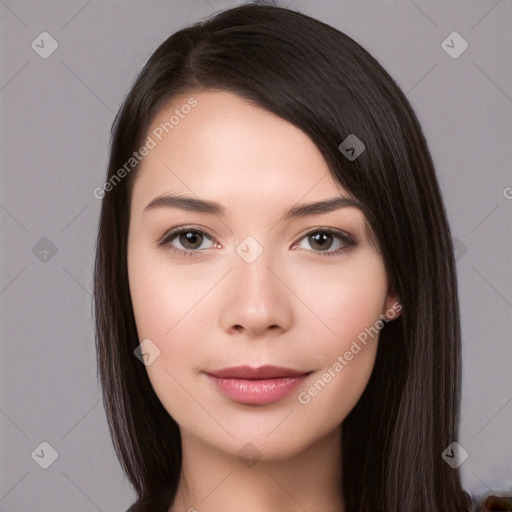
(257, 299)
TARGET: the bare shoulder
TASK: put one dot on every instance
(488, 502)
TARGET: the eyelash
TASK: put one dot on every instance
(187, 253)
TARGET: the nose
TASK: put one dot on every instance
(256, 302)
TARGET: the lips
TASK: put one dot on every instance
(256, 386)
(259, 373)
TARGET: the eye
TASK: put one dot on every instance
(186, 240)
(321, 240)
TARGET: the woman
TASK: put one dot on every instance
(242, 368)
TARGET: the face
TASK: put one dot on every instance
(248, 283)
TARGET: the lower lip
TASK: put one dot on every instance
(259, 392)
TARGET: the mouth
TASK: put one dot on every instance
(256, 386)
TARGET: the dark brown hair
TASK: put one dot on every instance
(327, 85)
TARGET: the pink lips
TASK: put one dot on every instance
(263, 385)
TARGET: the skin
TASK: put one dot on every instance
(293, 306)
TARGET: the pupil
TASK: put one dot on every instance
(190, 237)
(320, 238)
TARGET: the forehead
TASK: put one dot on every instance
(225, 146)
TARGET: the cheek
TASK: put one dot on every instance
(346, 299)
(163, 302)
(170, 307)
(350, 300)
(162, 294)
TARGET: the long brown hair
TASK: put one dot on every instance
(326, 84)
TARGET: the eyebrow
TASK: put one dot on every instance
(192, 204)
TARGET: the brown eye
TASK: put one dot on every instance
(186, 240)
(190, 239)
(322, 241)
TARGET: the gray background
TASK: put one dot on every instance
(56, 115)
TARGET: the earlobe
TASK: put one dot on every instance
(393, 306)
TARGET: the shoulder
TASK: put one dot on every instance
(488, 502)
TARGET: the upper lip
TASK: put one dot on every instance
(256, 373)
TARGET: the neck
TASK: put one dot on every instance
(212, 480)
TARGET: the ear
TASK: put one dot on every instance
(393, 306)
